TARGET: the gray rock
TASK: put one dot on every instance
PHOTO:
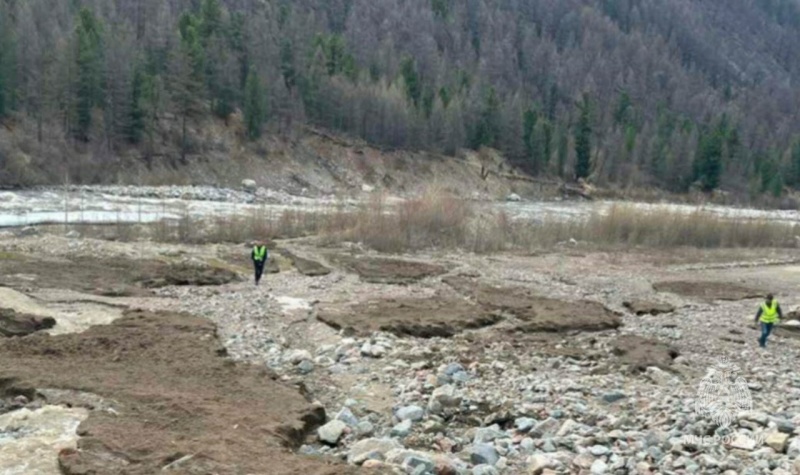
(452, 369)
(488, 434)
(793, 451)
(331, 432)
(786, 426)
(614, 396)
(599, 450)
(527, 444)
(442, 398)
(599, 467)
(760, 418)
(296, 357)
(305, 367)
(461, 377)
(308, 450)
(365, 429)
(547, 427)
(73, 234)
(412, 413)
(360, 450)
(483, 454)
(418, 465)
(524, 424)
(402, 429)
(484, 470)
(347, 416)
(514, 198)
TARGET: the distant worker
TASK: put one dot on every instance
(769, 313)
(259, 256)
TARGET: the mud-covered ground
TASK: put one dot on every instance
(576, 361)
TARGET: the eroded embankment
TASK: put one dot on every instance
(175, 395)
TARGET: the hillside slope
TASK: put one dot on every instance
(625, 92)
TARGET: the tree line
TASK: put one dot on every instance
(621, 92)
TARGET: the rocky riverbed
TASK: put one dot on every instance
(578, 361)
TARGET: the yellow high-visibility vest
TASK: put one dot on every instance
(259, 253)
(769, 314)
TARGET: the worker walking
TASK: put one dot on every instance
(769, 313)
(259, 256)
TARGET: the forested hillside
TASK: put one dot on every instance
(674, 94)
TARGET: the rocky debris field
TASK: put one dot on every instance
(578, 362)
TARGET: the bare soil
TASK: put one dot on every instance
(305, 266)
(107, 276)
(425, 318)
(538, 314)
(710, 290)
(175, 395)
(639, 353)
(381, 270)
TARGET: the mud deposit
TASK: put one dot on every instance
(176, 396)
(640, 353)
(710, 290)
(106, 276)
(425, 318)
(389, 271)
(305, 266)
(536, 313)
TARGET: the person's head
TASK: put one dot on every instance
(770, 298)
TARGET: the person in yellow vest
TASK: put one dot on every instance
(259, 256)
(769, 313)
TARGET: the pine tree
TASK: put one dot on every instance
(7, 62)
(408, 70)
(136, 121)
(255, 113)
(583, 139)
(488, 129)
(89, 81)
(708, 162)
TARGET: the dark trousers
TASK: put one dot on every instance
(766, 329)
(259, 268)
